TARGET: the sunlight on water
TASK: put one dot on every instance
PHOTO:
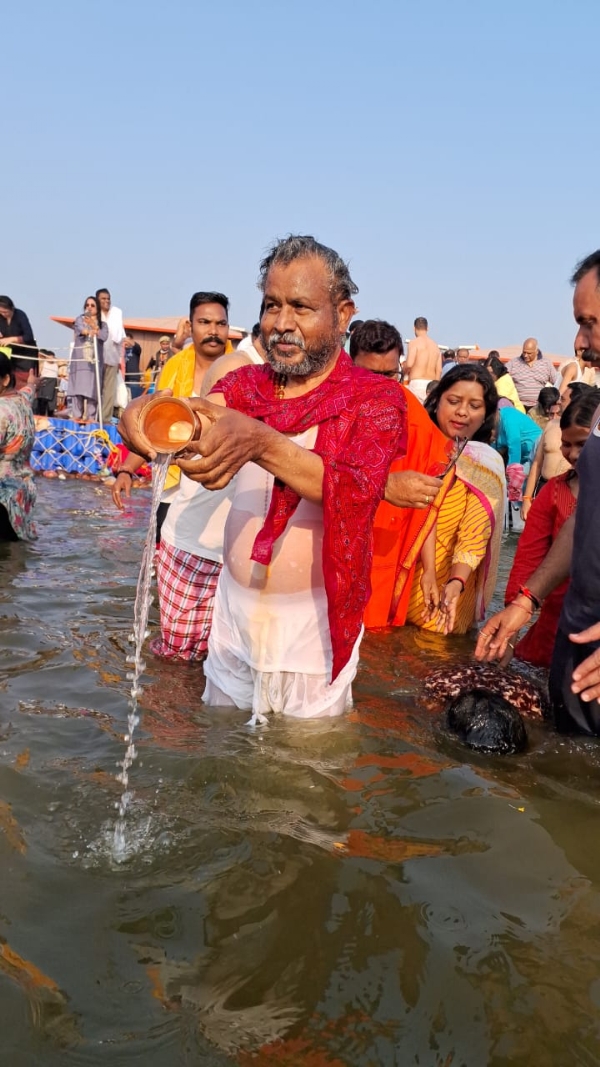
(355, 891)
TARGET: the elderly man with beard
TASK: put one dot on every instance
(575, 670)
(312, 437)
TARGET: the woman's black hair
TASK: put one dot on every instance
(97, 303)
(580, 411)
(468, 372)
(494, 364)
(548, 397)
(6, 367)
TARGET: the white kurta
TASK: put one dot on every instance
(270, 646)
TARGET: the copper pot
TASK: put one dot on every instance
(169, 423)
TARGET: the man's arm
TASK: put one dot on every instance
(438, 365)
(411, 356)
(555, 568)
(230, 439)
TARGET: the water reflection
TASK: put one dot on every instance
(361, 891)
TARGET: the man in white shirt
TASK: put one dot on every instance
(190, 556)
(113, 351)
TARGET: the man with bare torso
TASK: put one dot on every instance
(424, 360)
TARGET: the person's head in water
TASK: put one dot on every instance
(576, 422)
(486, 722)
(308, 295)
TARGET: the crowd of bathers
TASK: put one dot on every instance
(340, 483)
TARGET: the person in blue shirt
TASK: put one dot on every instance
(517, 435)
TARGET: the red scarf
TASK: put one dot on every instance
(361, 419)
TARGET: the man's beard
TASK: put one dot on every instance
(316, 357)
(591, 356)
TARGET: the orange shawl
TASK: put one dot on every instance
(397, 529)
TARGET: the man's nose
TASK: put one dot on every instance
(286, 319)
(581, 340)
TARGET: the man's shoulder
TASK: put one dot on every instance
(175, 364)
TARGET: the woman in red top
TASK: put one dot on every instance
(549, 511)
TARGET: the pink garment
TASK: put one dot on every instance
(515, 478)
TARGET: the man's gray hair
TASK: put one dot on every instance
(295, 246)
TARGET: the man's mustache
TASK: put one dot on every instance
(213, 337)
(285, 339)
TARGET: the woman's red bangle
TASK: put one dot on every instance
(524, 590)
(457, 578)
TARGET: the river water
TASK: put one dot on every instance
(356, 892)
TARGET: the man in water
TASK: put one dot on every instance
(530, 372)
(312, 437)
(377, 346)
(575, 671)
(190, 554)
(184, 375)
(424, 360)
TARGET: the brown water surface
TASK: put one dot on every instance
(356, 892)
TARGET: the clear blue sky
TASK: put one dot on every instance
(449, 151)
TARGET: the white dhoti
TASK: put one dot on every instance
(270, 646)
(418, 386)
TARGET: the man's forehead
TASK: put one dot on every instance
(307, 272)
(209, 311)
(587, 294)
(393, 355)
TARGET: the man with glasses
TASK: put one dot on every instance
(377, 346)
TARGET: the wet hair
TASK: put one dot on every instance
(591, 262)
(6, 367)
(6, 302)
(487, 722)
(421, 323)
(209, 298)
(375, 336)
(580, 411)
(548, 397)
(255, 334)
(468, 372)
(296, 246)
(494, 364)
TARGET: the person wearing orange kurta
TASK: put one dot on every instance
(412, 483)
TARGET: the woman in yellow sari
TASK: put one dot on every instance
(457, 552)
